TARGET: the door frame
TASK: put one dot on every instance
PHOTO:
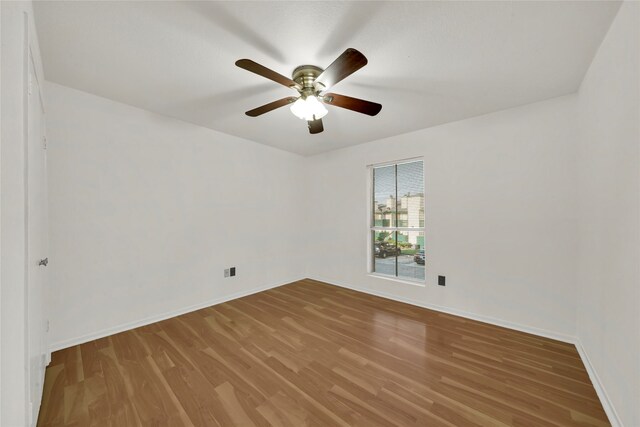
(31, 55)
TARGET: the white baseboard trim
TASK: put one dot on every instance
(473, 316)
(609, 409)
(159, 317)
(607, 405)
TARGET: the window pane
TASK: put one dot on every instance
(385, 252)
(411, 261)
(410, 209)
(384, 196)
(398, 202)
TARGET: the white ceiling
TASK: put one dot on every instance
(429, 62)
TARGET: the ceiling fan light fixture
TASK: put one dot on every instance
(311, 83)
(309, 108)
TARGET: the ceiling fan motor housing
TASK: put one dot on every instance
(305, 76)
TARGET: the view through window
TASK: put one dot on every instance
(397, 226)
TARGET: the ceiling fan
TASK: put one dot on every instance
(312, 82)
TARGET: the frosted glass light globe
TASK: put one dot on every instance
(308, 109)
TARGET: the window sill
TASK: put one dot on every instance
(419, 284)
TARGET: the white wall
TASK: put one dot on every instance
(13, 297)
(609, 214)
(147, 211)
(499, 221)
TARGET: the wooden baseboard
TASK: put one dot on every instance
(157, 318)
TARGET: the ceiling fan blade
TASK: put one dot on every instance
(346, 64)
(315, 126)
(358, 105)
(270, 106)
(265, 72)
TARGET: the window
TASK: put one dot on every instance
(397, 220)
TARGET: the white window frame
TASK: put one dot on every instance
(372, 228)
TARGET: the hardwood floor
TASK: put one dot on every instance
(311, 354)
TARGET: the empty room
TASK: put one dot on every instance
(333, 213)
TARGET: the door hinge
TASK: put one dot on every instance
(44, 142)
(47, 326)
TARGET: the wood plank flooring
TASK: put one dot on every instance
(311, 354)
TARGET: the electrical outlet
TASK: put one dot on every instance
(226, 272)
(441, 281)
(233, 271)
